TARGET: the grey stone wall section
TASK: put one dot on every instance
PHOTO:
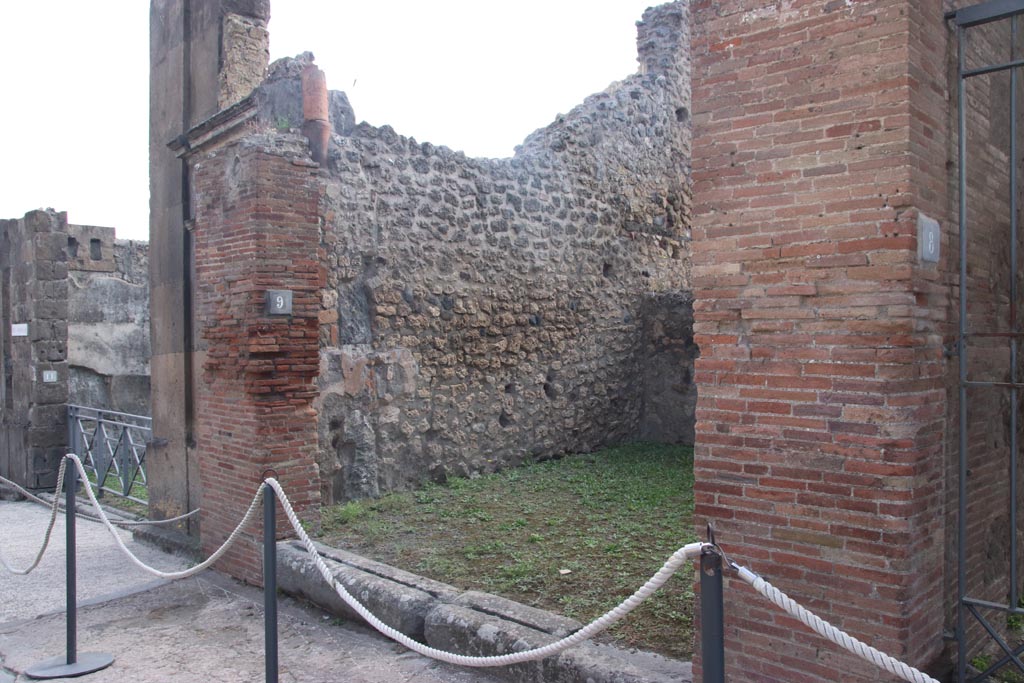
(33, 291)
(280, 98)
(108, 321)
(670, 394)
(490, 311)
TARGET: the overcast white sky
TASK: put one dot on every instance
(475, 75)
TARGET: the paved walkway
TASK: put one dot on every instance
(207, 628)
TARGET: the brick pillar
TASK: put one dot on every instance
(256, 228)
(819, 134)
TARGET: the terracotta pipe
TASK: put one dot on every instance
(315, 112)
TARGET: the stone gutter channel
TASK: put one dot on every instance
(467, 622)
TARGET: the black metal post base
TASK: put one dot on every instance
(58, 667)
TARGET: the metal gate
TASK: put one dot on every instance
(988, 49)
(112, 448)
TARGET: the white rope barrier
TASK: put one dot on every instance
(671, 566)
(119, 522)
(49, 527)
(830, 632)
(680, 557)
(677, 560)
(141, 522)
(185, 573)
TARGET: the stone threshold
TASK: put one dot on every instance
(467, 622)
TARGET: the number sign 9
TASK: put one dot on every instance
(279, 302)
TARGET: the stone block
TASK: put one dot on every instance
(463, 630)
(403, 606)
(51, 270)
(509, 610)
(51, 309)
(471, 623)
(45, 395)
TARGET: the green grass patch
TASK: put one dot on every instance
(1007, 674)
(610, 518)
(138, 490)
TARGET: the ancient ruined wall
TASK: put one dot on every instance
(33, 315)
(75, 311)
(482, 312)
(668, 353)
(466, 314)
(819, 137)
(257, 227)
(108, 320)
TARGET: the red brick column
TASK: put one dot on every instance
(256, 228)
(817, 126)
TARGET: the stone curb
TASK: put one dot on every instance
(470, 622)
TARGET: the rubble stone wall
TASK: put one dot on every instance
(480, 312)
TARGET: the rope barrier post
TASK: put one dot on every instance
(73, 663)
(71, 565)
(270, 584)
(712, 629)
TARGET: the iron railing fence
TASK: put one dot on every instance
(112, 448)
(973, 608)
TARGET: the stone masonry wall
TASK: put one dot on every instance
(108, 320)
(33, 314)
(668, 352)
(484, 312)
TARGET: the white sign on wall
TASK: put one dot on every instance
(19, 330)
(929, 237)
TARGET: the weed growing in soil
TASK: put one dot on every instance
(610, 518)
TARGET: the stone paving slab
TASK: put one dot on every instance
(206, 628)
(102, 568)
(210, 628)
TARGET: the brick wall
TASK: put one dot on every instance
(256, 228)
(819, 135)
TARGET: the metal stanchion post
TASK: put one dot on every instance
(712, 629)
(72, 663)
(71, 564)
(270, 585)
